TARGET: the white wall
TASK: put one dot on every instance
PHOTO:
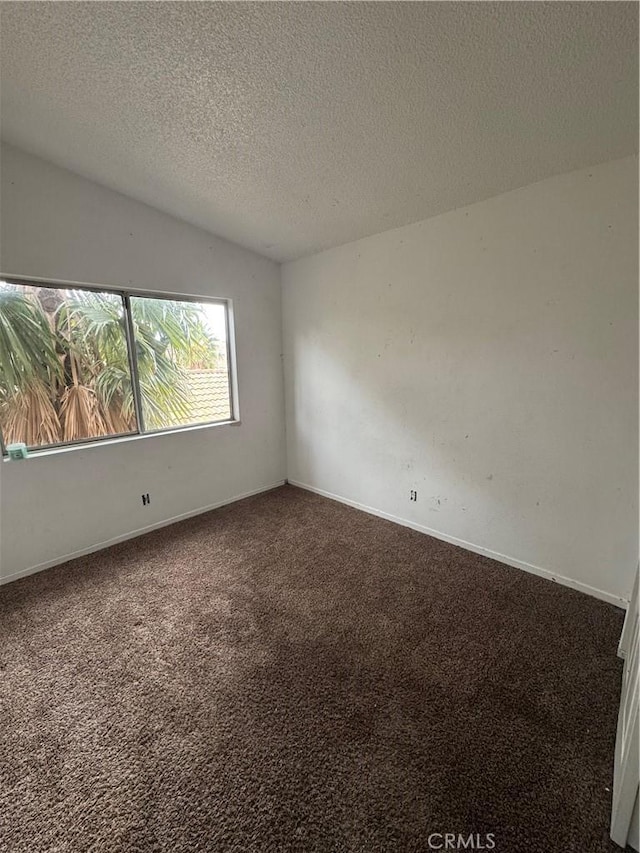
(58, 225)
(487, 358)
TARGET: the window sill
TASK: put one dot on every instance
(119, 439)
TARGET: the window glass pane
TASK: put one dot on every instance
(181, 353)
(64, 365)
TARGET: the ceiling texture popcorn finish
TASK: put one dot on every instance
(292, 127)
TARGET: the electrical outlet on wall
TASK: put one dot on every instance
(146, 500)
(413, 496)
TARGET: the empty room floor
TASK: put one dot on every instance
(290, 674)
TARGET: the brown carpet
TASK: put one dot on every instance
(289, 674)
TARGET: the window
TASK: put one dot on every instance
(181, 355)
(79, 364)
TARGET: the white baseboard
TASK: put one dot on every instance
(469, 546)
(421, 528)
(82, 552)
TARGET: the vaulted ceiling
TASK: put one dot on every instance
(292, 127)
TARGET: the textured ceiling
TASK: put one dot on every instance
(291, 127)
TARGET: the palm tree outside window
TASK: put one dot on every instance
(79, 364)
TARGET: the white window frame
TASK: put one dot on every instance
(125, 295)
